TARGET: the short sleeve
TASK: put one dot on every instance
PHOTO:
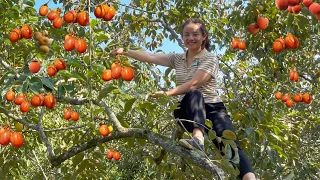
(209, 65)
(172, 58)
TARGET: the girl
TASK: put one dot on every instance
(196, 72)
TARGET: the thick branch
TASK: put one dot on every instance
(166, 143)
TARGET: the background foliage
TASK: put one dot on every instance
(281, 142)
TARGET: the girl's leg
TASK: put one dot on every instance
(192, 107)
(217, 113)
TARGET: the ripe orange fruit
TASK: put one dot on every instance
(49, 101)
(282, 4)
(54, 14)
(70, 16)
(19, 99)
(289, 103)
(83, 18)
(253, 29)
(9, 95)
(116, 71)
(74, 116)
(43, 10)
(314, 8)
(278, 95)
(80, 45)
(116, 156)
(5, 137)
(106, 75)
(277, 46)
(127, 73)
(60, 64)
(67, 114)
(307, 3)
(52, 70)
(234, 44)
(285, 98)
(297, 8)
(291, 41)
(34, 66)
(26, 32)
(306, 98)
(99, 12)
(37, 100)
(295, 76)
(25, 106)
(110, 155)
(16, 139)
(69, 43)
(293, 2)
(242, 45)
(14, 36)
(262, 22)
(110, 12)
(104, 131)
(297, 98)
(291, 74)
(57, 22)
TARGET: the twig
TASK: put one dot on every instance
(167, 26)
(8, 67)
(39, 164)
(58, 129)
(18, 119)
(43, 135)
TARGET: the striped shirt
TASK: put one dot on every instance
(204, 61)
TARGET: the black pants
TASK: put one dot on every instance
(192, 107)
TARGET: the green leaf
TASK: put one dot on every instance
(227, 152)
(208, 123)
(77, 159)
(212, 134)
(168, 70)
(129, 142)
(61, 91)
(47, 83)
(141, 142)
(105, 91)
(128, 105)
(98, 68)
(35, 85)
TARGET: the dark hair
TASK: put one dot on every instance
(206, 42)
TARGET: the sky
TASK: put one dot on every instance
(168, 46)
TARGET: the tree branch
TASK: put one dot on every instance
(8, 67)
(43, 135)
(165, 24)
(166, 143)
(18, 119)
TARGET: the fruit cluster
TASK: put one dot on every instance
(71, 42)
(306, 98)
(18, 33)
(58, 65)
(236, 43)
(281, 44)
(294, 76)
(68, 113)
(7, 136)
(261, 24)
(47, 100)
(43, 41)
(113, 154)
(104, 11)
(117, 71)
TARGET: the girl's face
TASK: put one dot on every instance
(193, 37)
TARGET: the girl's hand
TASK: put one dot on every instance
(118, 51)
(158, 94)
